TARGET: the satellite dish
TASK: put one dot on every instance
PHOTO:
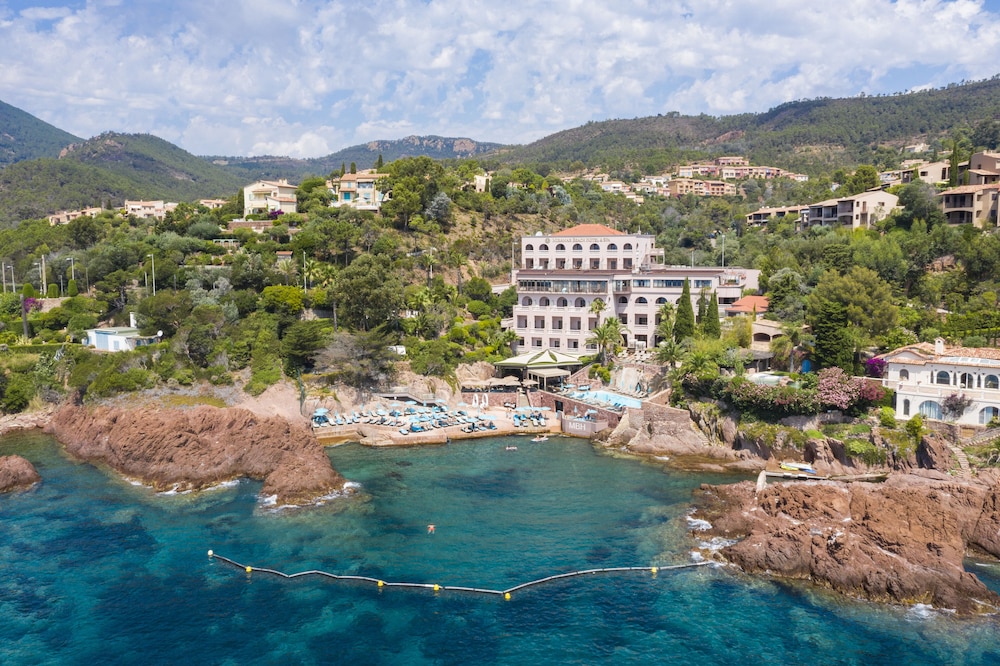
(159, 334)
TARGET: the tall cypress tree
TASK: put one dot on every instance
(710, 324)
(702, 306)
(833, 345)
(684, 322)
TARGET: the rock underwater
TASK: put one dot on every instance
(16, 473)
(200, 447)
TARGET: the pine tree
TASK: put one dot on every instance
(710, 324)
(833, 345)
(354, 167)
(379, 162)
(684, 321)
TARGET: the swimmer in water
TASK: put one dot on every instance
(430, 529)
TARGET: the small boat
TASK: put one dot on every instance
(510, 447)
(540, 438)
(797, 467)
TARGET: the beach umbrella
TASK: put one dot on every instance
(489, 417)
(544, 409)
(321, 411)
(411, 402)
(382, 412)
(590, 411)
(525, 409)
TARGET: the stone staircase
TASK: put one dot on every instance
(963, 463)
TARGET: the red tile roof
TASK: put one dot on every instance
(589, 230)
(750, 304)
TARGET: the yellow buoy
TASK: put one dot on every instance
(249, 569)
(506, 596)
(211, 554)
(437, 588)
(653, 570)
(381, 583)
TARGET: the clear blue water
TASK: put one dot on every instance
(95, 571)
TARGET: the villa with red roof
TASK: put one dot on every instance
(562, 274)
(925, 375)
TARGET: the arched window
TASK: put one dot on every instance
(612, 247)
(562, 302)
(527, 301)
(906, 407)
(543, 301)
(529, 248)
(661, 301)
(930, 409)
(904, 374)
(594, 247)
(560, 248)
(641, 299)
(987, 414)
(991, 382)
(543, 248)
(580, 303)
(966, 380)
(942, 377)
(627, 247)
(623, 300)
(577, 247)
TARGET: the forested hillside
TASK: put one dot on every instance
(25, 137)
(812, 136)
(106, 170)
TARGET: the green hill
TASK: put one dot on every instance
(809, 136)
(25, 137)
(363, 155)
(106, 170)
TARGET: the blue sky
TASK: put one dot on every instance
(306, 78)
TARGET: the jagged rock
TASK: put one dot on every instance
(934, 453)
(902, 541)
(662, 430)
(200, 447)
(16, 473)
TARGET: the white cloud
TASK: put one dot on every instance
(316, 76)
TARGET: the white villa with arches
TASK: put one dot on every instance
(923, 375)
(562, 274)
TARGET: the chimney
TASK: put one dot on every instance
(939, 346)
(131, 319)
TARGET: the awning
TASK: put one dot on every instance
(539, 359)
(549, 373)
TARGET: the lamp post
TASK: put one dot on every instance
(72, 267)
(13, 287)
(40, 277)
(723, 250)
(152, 260)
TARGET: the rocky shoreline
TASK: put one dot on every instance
(199, 448)
(902, 541)
(16, 473)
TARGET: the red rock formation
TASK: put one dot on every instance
(200, 447)
(16, 473)
(903, 541)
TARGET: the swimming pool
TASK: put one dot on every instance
(607, 396)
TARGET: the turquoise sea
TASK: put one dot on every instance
(96, 571)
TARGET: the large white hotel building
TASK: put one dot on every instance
(562, 274)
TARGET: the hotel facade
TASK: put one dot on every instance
(562, 274)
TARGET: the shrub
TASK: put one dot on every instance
(52, 291)
(887, 417)
(20, 391)
(72, 289)
(915, 427)
(866, 451)
(875, 367)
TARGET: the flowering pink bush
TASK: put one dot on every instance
(835, 389)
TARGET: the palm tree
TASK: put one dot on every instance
(598, 306)
(608, 338)
(665, 326)
(669, 352)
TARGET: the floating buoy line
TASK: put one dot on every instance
(452, 588)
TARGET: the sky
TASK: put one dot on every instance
(306, 78)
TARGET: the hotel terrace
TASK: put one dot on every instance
(562, 274)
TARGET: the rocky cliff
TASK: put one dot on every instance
(902, 541)
(200, 447)
(16, 473)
